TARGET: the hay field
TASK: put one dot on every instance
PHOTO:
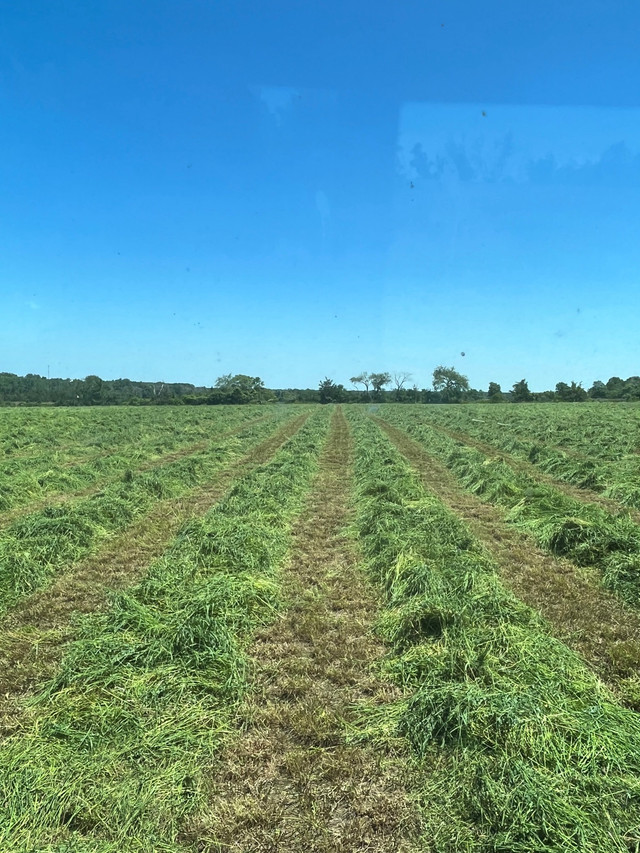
(270, 628)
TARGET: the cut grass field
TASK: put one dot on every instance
(72, 435)
(292, 779)
(29, 484)
(323, 642)
(38, 546)
(592, 447)
(591, 620)
(523, 747)
(35, 633)
(578, 484)
(111, 753)
(585, 533)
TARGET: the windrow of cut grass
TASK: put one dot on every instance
(129, 442)
(113, 753)
(595, 447)
(585, 533)
(521, 747)
(39, 546)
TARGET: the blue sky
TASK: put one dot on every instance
(301, 189)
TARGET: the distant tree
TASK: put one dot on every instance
(449, 384)
(474, 394)
(378, 381)
(330, 392)
(545, 397)
(598, 390)
(9, 386)
(362, 379)
(494, 394)
(631, 390)
(297, 395)
(92, 391)
(520, 392)
(224, 382)
(239, 388)
(573, 393)
(400, 377)
(413, 394)
(615, 387)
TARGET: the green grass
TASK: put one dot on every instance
(522, 749)
(114, 752)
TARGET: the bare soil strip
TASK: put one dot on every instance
(528, 468)
(166, 459)
(582, 614)
(33, 634)
(290, 782)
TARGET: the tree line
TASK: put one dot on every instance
(448, 386)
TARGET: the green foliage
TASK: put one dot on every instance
(378, 381)
(35, 389)
(598, 390)
(330, 392)
(239, 389)
(520, 392)
(616, 389)
(449, 384)
(570, 393)
(494, 393)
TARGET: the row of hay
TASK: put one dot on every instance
(41, 544)
(519, 746)
(585, 533)
(114, 754)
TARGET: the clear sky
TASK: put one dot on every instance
(300, 189)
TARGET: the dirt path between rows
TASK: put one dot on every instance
(582, 614)
(290, 782)
(34, 633)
